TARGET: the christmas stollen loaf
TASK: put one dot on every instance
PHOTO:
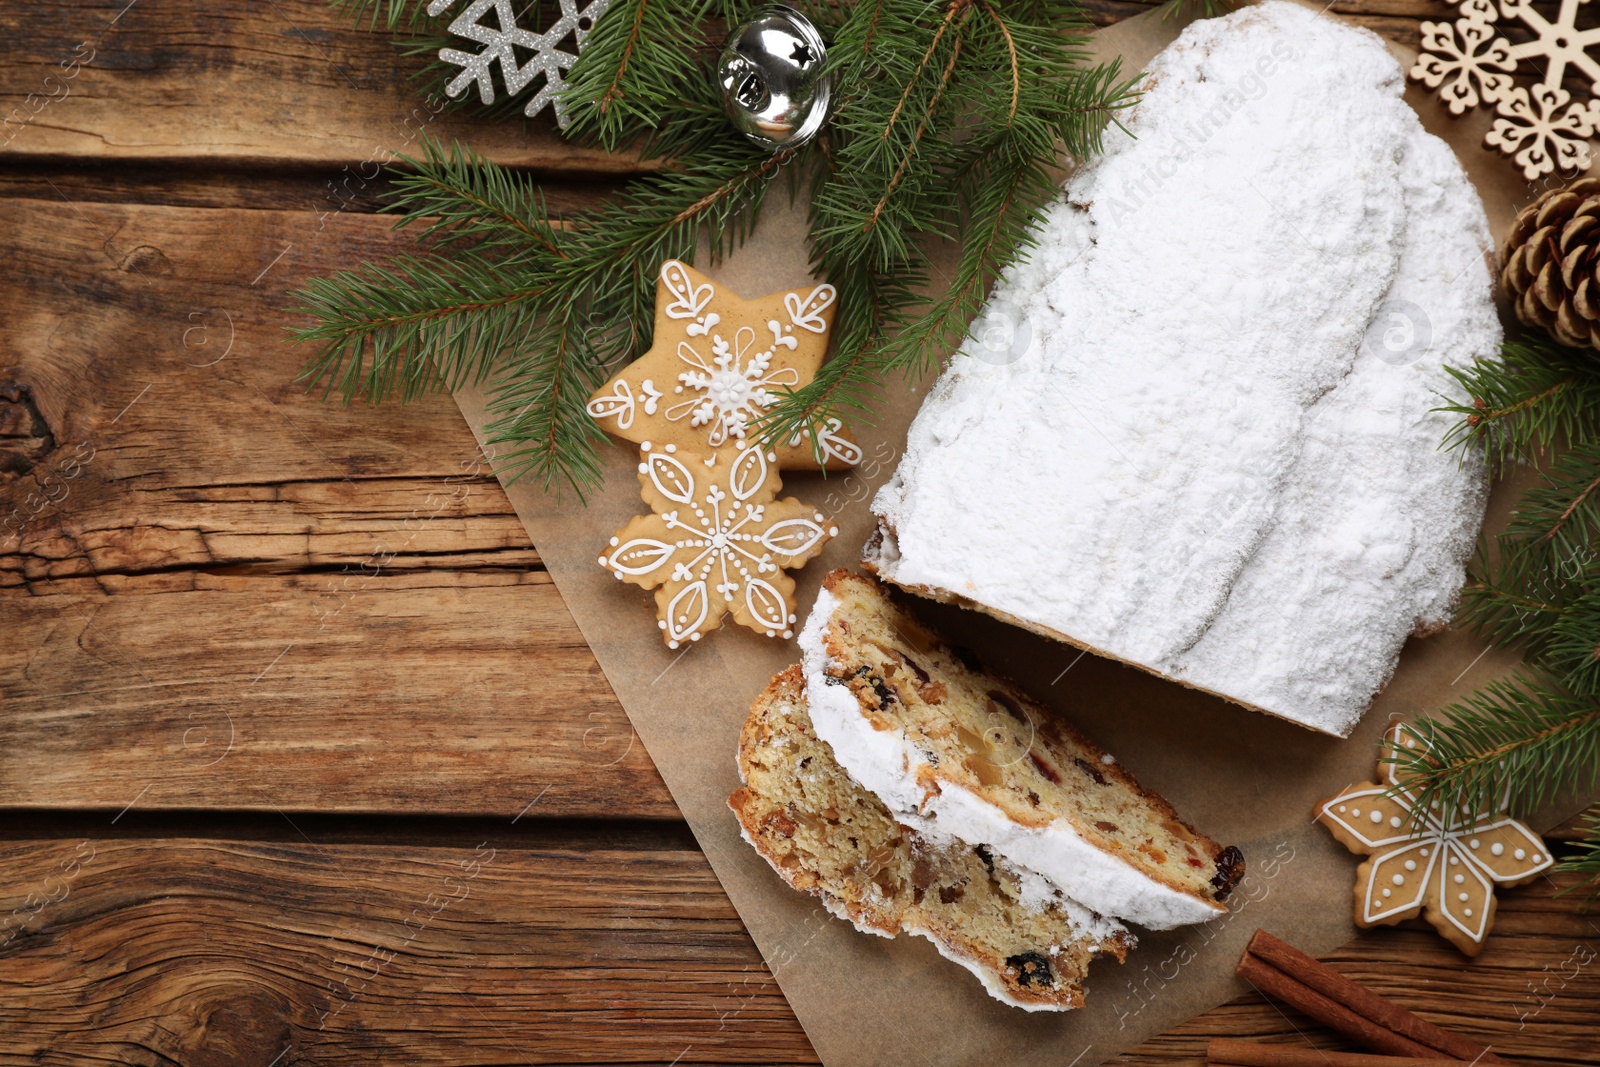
(1028, 944)
(1213, 451)
(954, 751)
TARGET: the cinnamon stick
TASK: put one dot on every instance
(1330, 1013)
(1228, 1052)
(1284, 972)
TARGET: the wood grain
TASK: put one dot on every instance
(231, 609)
(257, 85)
(230, 953)
(292, 83)
(193, 550)
(158, 950)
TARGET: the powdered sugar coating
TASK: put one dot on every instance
(886, 762)
(1207, 462)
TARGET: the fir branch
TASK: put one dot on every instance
(1544, 564)
(392, 15)
(410, 328)
(1536, 396)
(1536, 585)
(949, 123)
(1572, 650)
(1519, 740)
(540, 398)
(503, 287)
(466, 200)
(1587, 861)
(1011, 49)
(639, 64)
(1206, 9)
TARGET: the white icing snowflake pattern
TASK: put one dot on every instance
(717, 543)
(1447, 867)
(500, 42)
(735, 386)
(1538, 126)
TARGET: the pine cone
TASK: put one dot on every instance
(1552, 264)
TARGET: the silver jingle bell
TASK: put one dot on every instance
(773, 84)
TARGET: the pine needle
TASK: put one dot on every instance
(950, 121)
(1587, 861)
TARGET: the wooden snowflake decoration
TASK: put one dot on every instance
(717, 541)
(1445, 865)
(1539, 126)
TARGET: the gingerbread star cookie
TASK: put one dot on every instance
(1447, 867)
(717, 541)
(718, 363)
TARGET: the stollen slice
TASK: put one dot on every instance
(953, 750)
(825, 835)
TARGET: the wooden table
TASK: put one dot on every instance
(302, 759)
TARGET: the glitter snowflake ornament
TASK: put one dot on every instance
(1445, 865)
(500, 44)
(717, 543)
(1538, 126)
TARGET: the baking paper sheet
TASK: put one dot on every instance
(1244, 778)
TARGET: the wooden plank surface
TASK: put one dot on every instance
(279, 83)
(490, 945)
(248, 953)
(236, 618)
(195, 552)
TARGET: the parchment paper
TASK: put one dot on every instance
(1245, 778)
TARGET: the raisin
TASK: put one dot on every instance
(1090, 769)
(805, 763)
(1033, 798)
(921, 872)
(1032, 969)
(1105, 827)
(879, 686)
(986, 856)
(1045, 768)
(780, 824)
(1009, 706)
(1230, 869)
(949, 894)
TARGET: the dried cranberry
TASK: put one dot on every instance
(1032, 969)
